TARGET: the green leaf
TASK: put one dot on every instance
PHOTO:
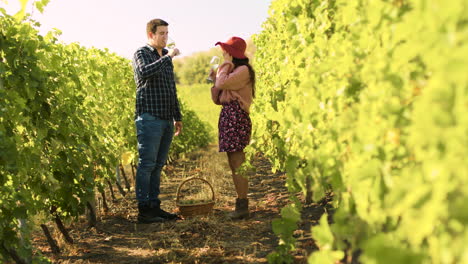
(291, 213)
(383, 249)
(325, 257)
(322, 233)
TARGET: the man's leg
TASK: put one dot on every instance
(161, 158)
(148, 144)
(162, 151)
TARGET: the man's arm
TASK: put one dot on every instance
(178, 113)
(147, 68)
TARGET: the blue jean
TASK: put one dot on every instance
(154, 139)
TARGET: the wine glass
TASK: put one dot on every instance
(170, 43)
(214, 64)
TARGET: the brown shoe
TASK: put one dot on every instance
(242, 209)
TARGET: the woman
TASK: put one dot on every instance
(234, 89)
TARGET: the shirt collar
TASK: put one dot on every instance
(164, 51)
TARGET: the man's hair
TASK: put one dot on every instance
(153, 25)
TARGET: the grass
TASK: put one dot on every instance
(198, 98)
(212, 166)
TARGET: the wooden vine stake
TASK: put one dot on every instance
(124, 175)
(121, 190)
(92, 220)
(53, 244)
(133, 171)
(111, 191)
(308, 198)
(104, 202)
(60, 225)
(63, 230)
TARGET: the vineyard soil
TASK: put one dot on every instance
(117, 238)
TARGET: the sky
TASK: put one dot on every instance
(120, 25)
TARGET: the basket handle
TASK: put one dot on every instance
(191, 179)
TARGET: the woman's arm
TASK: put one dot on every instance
(227, 79)
(215, 95)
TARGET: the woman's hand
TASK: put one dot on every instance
(226, 56)
(212, 75)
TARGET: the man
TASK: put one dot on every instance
(157, 113)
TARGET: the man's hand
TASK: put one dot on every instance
(173, 52)
(178, 127)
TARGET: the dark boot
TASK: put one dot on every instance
(242, 209)
(147, 216)
(157, 211)
(163, 214)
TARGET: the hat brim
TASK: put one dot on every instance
(233, 52)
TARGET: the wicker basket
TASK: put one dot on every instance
(187, 210)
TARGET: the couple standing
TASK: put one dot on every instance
(158, 113)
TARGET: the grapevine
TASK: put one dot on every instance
(367, 100)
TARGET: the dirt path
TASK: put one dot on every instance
(118, 238)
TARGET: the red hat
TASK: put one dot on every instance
(235, 46)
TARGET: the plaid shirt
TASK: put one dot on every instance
(156, 90)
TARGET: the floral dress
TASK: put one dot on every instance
(234, 127)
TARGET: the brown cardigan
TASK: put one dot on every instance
(232, 85)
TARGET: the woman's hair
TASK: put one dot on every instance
(239, 62)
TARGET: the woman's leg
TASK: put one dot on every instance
(241, 183)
